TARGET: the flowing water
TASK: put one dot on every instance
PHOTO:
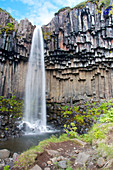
(35, 104)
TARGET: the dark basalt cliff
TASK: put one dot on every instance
(78, 54)
(15, 44)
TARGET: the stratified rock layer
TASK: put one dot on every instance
(79, 54)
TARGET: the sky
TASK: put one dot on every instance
(39, 12)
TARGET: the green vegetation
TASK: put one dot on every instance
(81, 5)
(46, 34)
(104, 149)
(9, 28)
(81, 118)
(71, 130)
(97, 132)
(1, 10)
(28, 158)
(99, 3)
(62, 9)
(97, 135)
(11, 106)
(6, 167)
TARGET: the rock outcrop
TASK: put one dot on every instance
(79, 54)
(15, 43)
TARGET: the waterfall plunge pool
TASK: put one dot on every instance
(24, 142)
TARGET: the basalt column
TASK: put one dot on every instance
(79, 54)
(15, 44)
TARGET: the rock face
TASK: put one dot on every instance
(79, 54)
(15, 43)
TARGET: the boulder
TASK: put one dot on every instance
(4, 153)
(82, 158)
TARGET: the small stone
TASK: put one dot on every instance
(94, 147)
(54, 160)
(76, 151)
(36, 167)
(4, 153)
(49, 162)
(62, 164)
(100, 162)
(60, 149)
(60, 158)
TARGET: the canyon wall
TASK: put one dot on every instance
(78, 46)
(15, 44)
(79, 54)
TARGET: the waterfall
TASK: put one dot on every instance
(35, 103)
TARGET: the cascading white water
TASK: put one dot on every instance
(35, 104)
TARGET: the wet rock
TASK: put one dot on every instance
(4, 153)
(36, 167)
(100, 162)
(62, 164)
(82, 158)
